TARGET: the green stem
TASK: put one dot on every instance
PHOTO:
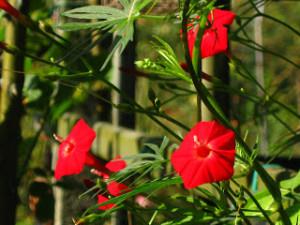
(133, 103)
(242, 26)
(272, 99)
(240, 212)
(253, 45)
(140, 107)
(43, 61)
(268, 17)
(281, 22)
(152, 17)
(31, 147)
(196, 79)
(255, 201)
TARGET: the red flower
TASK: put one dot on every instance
(116, 164)
(116, 189)
(99, 173)
(205, 155)
(102, 199)
(73, 150)
(214, 39)
(98, 165)
(6, 6)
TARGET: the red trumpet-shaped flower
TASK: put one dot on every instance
(113, 187)
(6, 6)
(205, 155)
(102, 199)
(116, 188)
(73, 150)
(215, 37)
(116, 164)
(97, 164)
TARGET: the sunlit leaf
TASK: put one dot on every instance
(120, 22)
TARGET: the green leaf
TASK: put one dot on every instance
(285, 145)
(149, 187)
(167, 65)
(78, 26)
(292, 183)
(111, 20)
(94, 12)
(266, 201)
(294, 214)
(125, 3)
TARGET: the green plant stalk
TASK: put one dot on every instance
(36, 28)
(215, 109)
(265, 214)
(164, 116)
(22, 171)
(15, 51)
(273, 18)
(268, 17)
(196, 60)
(240, 212)
(151, 17)
(140, 108)
(270, 98)
(253, 45)
(197, 46)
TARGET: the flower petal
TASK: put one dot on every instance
(82, 136)
(219, 17)
(214, 41)
(116, 188)
(72, 152)
(93, 161)
(102, 199)
(206, 154)
(180, 159)
(70, 165)
(225, 141)
(116, 164)
(6, 6)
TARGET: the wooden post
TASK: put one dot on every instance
(11, 111)
(126, 83)
(207, 67)
(259, 73)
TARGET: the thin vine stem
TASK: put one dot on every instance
(140, 109)
(239, 211)
(258, 47)
(249, 76)
(265, 214)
